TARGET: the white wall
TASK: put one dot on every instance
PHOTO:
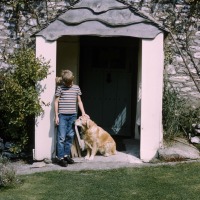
(44, 128)
(152, 62)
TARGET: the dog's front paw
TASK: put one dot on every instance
(91, 158)
(87, 157)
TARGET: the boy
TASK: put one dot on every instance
(67, 96)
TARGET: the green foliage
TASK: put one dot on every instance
(7, 174)
(20, 95)
(178, 115)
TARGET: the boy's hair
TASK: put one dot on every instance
(67, 76)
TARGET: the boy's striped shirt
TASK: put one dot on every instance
(68, 98)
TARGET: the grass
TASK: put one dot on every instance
(180, 181)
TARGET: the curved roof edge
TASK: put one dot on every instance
(108, 18)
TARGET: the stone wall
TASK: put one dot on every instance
(18, 23)
(186, 31)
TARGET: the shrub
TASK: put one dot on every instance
(7, 173)
(20, 96)
(178, 114)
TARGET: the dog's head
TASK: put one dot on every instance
(83, 122)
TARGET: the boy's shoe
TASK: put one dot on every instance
(62, 163)
(68, 160)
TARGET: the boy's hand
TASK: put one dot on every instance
(85, 115)
(57, 120)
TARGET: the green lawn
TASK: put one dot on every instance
(163, 182)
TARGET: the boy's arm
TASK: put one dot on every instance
(56, 110)
(80, 105)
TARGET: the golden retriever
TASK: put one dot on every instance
(95, 138)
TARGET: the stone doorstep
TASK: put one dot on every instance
(179, 149)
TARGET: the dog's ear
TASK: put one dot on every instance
(88, 123)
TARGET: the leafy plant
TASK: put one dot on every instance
(7, 173)
(178, 115)
(20, 96)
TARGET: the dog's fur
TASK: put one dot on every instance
(95, 138)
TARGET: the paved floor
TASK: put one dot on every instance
(130, 155)
(126, 158)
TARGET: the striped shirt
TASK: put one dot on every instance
(67, 98)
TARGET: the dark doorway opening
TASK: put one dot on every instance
(108, 80)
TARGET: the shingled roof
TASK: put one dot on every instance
(102, 18)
